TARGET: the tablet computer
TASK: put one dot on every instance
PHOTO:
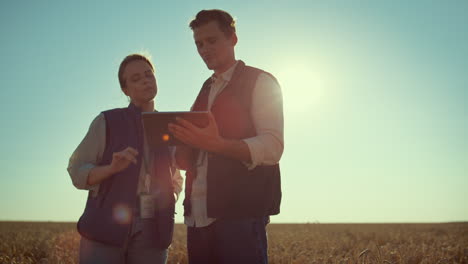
(156, 124)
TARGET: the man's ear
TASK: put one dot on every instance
(234, 39)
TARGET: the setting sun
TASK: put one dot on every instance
(302, 87)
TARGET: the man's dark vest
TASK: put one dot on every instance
(232, 189)
(108, 216)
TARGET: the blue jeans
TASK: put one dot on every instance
(229, 241)
(141, 248)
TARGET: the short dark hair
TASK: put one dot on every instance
(126, 61)
(225, 21)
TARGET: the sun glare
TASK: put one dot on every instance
(301, 87)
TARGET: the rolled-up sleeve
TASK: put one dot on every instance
(88, 154)
(266, 148)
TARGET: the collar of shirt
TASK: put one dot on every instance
(225, 76)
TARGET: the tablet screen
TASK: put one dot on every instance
(156, 125)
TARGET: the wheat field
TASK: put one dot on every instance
(48, 242)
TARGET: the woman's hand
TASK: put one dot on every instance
(121, 160)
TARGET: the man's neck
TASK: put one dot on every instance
(223, 69)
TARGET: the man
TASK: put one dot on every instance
(233, 176)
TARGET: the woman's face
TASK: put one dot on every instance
(140, 83)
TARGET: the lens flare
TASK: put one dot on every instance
(122, 214)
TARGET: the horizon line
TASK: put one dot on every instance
(290, 223)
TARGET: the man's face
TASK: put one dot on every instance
(140, 83)
(216, 50)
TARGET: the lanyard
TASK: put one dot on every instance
(146, 164)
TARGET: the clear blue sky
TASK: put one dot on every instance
(375, 98)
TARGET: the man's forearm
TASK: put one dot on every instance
(232, 148)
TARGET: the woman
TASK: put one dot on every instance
(129, 215)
